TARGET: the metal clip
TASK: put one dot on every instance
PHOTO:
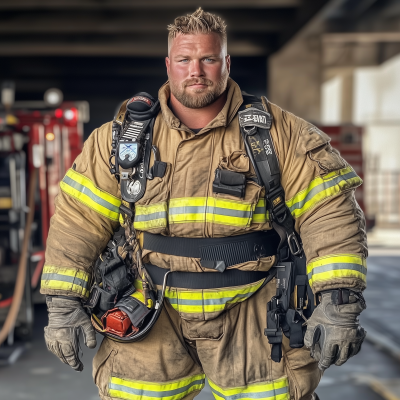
(294, 244)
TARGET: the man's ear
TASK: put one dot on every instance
(167, 64)
(228, 62)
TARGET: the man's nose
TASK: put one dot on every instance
(196, 69)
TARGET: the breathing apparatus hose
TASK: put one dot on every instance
(21, 276)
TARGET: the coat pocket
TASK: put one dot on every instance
(316, 144)
(230, 215)
(303, 373)
(151, 211)
(103, 365)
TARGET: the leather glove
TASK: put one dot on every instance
(333, 331)
(66, 319)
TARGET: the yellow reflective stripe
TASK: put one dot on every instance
(138, 295)
(150, 216)
(272, 390)
(261, 214)
(321, 189)
(209, 300)
(337, 266)
(84, 190)
(142, 390)
(210, 209)
(67, 279)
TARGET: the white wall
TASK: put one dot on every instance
(331, 101)
(376, 96)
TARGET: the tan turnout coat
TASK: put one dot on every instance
(319, 187)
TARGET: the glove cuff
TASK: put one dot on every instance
(341, 296)
(63, 301)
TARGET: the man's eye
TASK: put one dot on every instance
(184, 60)
(208, 59)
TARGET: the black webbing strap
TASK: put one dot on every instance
(207, 280)
(255, 123)
(216, 253)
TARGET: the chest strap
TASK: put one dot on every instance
(216, 253)
(207, 280)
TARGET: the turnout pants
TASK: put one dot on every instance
(230, 350)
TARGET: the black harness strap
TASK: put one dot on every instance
(216, 253)
(255, 124)
(207, 280)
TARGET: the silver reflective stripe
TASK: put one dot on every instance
(260, 210)
(188, 210)
(65, 278)
(210, 210)
(150, 217)
(320, 188)
(337, 266)
(83, 189)
(270, 394)
(151, 393)
(230, 213)
(207, 302)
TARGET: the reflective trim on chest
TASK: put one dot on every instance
(200, 209)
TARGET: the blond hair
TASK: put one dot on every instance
(198, 22)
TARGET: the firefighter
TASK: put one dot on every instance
(210, 332)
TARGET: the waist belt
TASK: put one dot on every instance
(207, 280)
(216, 253)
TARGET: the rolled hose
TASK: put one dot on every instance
(21, 276)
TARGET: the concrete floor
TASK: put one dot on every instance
(38, 375)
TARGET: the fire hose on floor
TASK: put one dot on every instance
(21, 276)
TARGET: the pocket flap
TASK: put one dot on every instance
(311, 138)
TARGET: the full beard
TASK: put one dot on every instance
(199, 98)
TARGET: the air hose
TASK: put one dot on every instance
(21, 276)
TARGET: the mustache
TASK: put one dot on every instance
(196, 81)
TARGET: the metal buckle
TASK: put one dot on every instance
(294, 244)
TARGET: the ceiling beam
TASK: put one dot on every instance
(361, 37)
(121, 5)
(87, 22)
(120, 48)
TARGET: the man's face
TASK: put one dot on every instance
(198, 69)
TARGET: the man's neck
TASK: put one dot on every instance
(197, 117)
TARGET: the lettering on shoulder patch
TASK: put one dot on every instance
(254, 117)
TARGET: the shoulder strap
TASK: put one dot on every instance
(255, 123)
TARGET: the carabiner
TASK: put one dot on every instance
(292, 240)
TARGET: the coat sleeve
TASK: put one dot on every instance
(319, 188)
(87, 213)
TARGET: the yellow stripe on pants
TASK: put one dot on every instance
(272, 390)
(142, 390)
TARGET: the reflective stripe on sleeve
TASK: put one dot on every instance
(84, 190)
(321, 189)
(261, 214)
(151, 216)
(337, 266)
(67, 279)
(210, 209)
(142, 390)
(209, 300)
(272, 390)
